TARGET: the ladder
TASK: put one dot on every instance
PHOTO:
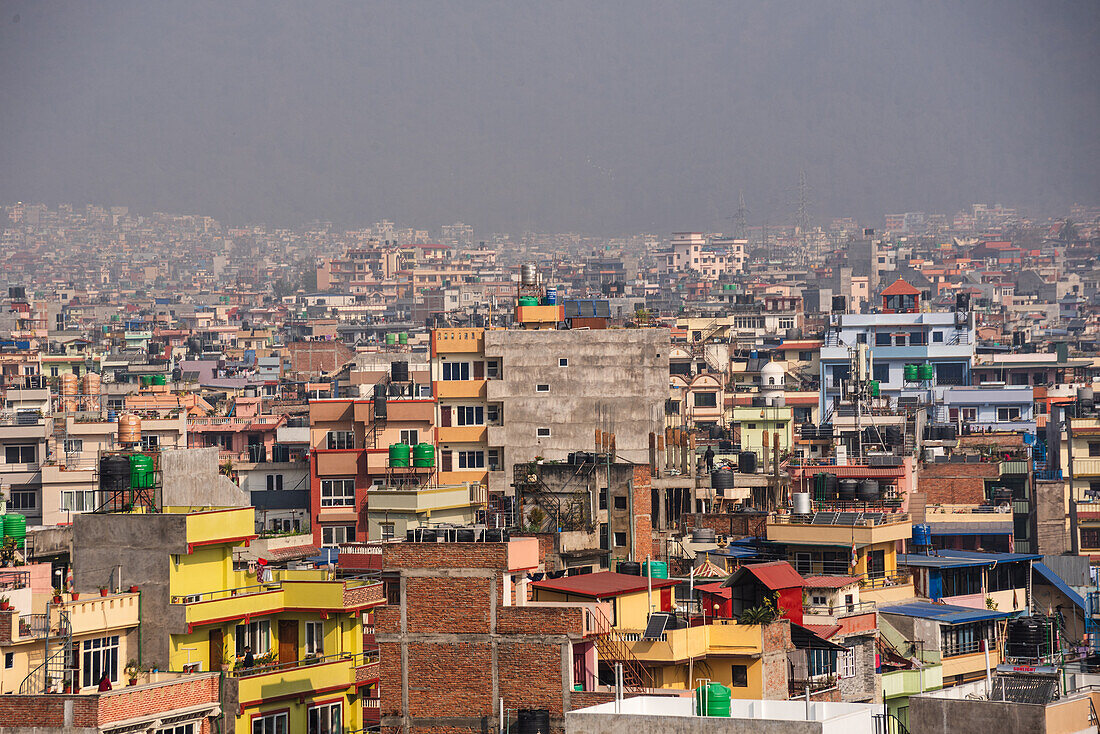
(57, 669)
(613, 648)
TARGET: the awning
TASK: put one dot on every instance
(1059, 583)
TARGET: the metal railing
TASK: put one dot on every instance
(871, 519)
(954, 649)
(276, 584)
(356, 660)
(1048, 475)
(888, 580)
(859, 607)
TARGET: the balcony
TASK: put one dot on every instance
(299, 678)
(717, 638)
(462, 434)
(855, 617)
(300, 590)
(229, 423)
(466, 389)
(220, 526)
(1086, 467)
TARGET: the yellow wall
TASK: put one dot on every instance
(205, 569)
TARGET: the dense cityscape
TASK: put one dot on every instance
(549, 368)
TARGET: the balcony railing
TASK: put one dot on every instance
(1048, 475)
(840, 610)
(954, 649)
(356, 660)
(900, 578)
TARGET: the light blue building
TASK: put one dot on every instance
(900, 334)
(981, 408)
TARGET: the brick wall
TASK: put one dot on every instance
(460, 650)
(737, 524)
(129, 703)
(955, 483)
(643, 512)
(776, 643)
(6, 618)
(47, 711)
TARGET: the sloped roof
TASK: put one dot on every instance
(773, 574)
(900, 288)
(601, 585)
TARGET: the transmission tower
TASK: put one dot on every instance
(740, 218)
(802, 214)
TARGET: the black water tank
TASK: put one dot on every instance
(808, 431)
(722, 479)
(464, 535)
(867, 491)
(948, 433)
(725, 446)
(894, 436)
(840, 304)
(533, 721)
(630, 568)
(847, 490)
(962, 301)
(831, 487)
(746, 462)
(379, 406)
(114, 473)
(379, 389)
(399, 371)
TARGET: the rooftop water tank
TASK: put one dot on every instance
(922, 534)
(910, 373)
(399, 454)
(423, 455)
(926, 371)
(746, 462)
(847, 490)
(712, 699)
(867, 490)
(15, 526)
(129, 429)
(655, 569)
(528, 274)
(800, 503)
(399, 371)
(142, 474)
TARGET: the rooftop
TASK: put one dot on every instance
(601, 585)
(961, 559)
(944, 613)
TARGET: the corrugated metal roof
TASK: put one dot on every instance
(945, 613)
(601, 585)
(773, 574)
(962, 559)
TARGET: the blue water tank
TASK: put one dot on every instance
(551, 296)
(922, 534)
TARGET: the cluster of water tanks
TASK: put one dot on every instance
(80, 393)
(652, 569)
(454, 534)
(393, 338)
(940, 432)
(828, 488)
(888, 435)
(918, 372)
(422, 455)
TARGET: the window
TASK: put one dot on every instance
(471, 415)
(739, 675)
(970, 414)
(410, 436)
(880, 372)
(937, 337)
(23, 499)
(386, 529)
(315, 638)
(1094, 448)
(1090, 538)
(334, 535)
(563, 361)
(917, 339)
(256, 635)
(861, 338)
(706, 399)
(74, 445)
(1008, 414)
(9, 660)
(274, 482)
(337, 492)
(150, 441)
(805, 356)
(818, 601)
(620, 540)
(492, 369)
(100, 656)
(821, 662)
(786, 323)
(620, 503)
(542, 432)
(78, 500)
(882, 339)
(20, 454)
(494, 460)
(456, 370)
(271, 724)
(846, 663)
(900, 340)
(492, 415)
(471, 459)
(325, 719)
(178, 729)
(542, 387)
(341, 440)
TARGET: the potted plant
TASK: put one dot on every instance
(133, 589)
(103, 591)
(57, 595)
(76, 596)
(132, 669)
(5, 603)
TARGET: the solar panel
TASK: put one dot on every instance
(658, 621)
(1020, 689)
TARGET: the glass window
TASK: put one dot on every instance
(620, 503)
(937, 337)
(337, 492)
(542, 432)
(325, 719)
(271, 724)
(315, 638)
(706, 399)
(21, 454)
(563, 362)
(542, 387)
(739, 676)
(494, 459)
(274, 482)
(74, 445)
(410, 436)
(492, 414)
(1010, 414)
(387, 530)
(471, 415)
(100, 656)
(78, 500)
(456, 370)
(256, 635)
(881, 372)
(847, 663)
(341, 440)
(471, 459)
(882, 339)
(150, 441)
(23, 499)
(178, 729)
(334, 535)
(620, 539)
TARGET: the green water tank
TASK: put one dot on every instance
(655, 569)
(403, 338)
(391, 339)
(910, 373)
(713, 699)
(15, 526)
(146, 380)
(926, 372)
(423, 455)
(142, 473)
(528, 301)
(160, 380)
(399, 454)
(876, 388)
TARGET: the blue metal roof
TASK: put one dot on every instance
(944, 613)
(962, 559)
(733, 552)
(1059, 583)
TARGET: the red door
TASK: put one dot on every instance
(666, 599)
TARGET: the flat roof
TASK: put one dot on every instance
(601, 585)
(944, 613)
(962, 559)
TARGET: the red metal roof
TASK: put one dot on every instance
(773, 574)
(824, 631)
(831, 582)
(601, 585)
(900, 288)
(716, 588)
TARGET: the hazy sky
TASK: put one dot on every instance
(603, 117)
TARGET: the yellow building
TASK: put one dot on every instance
(463, 415)
(290, 642)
